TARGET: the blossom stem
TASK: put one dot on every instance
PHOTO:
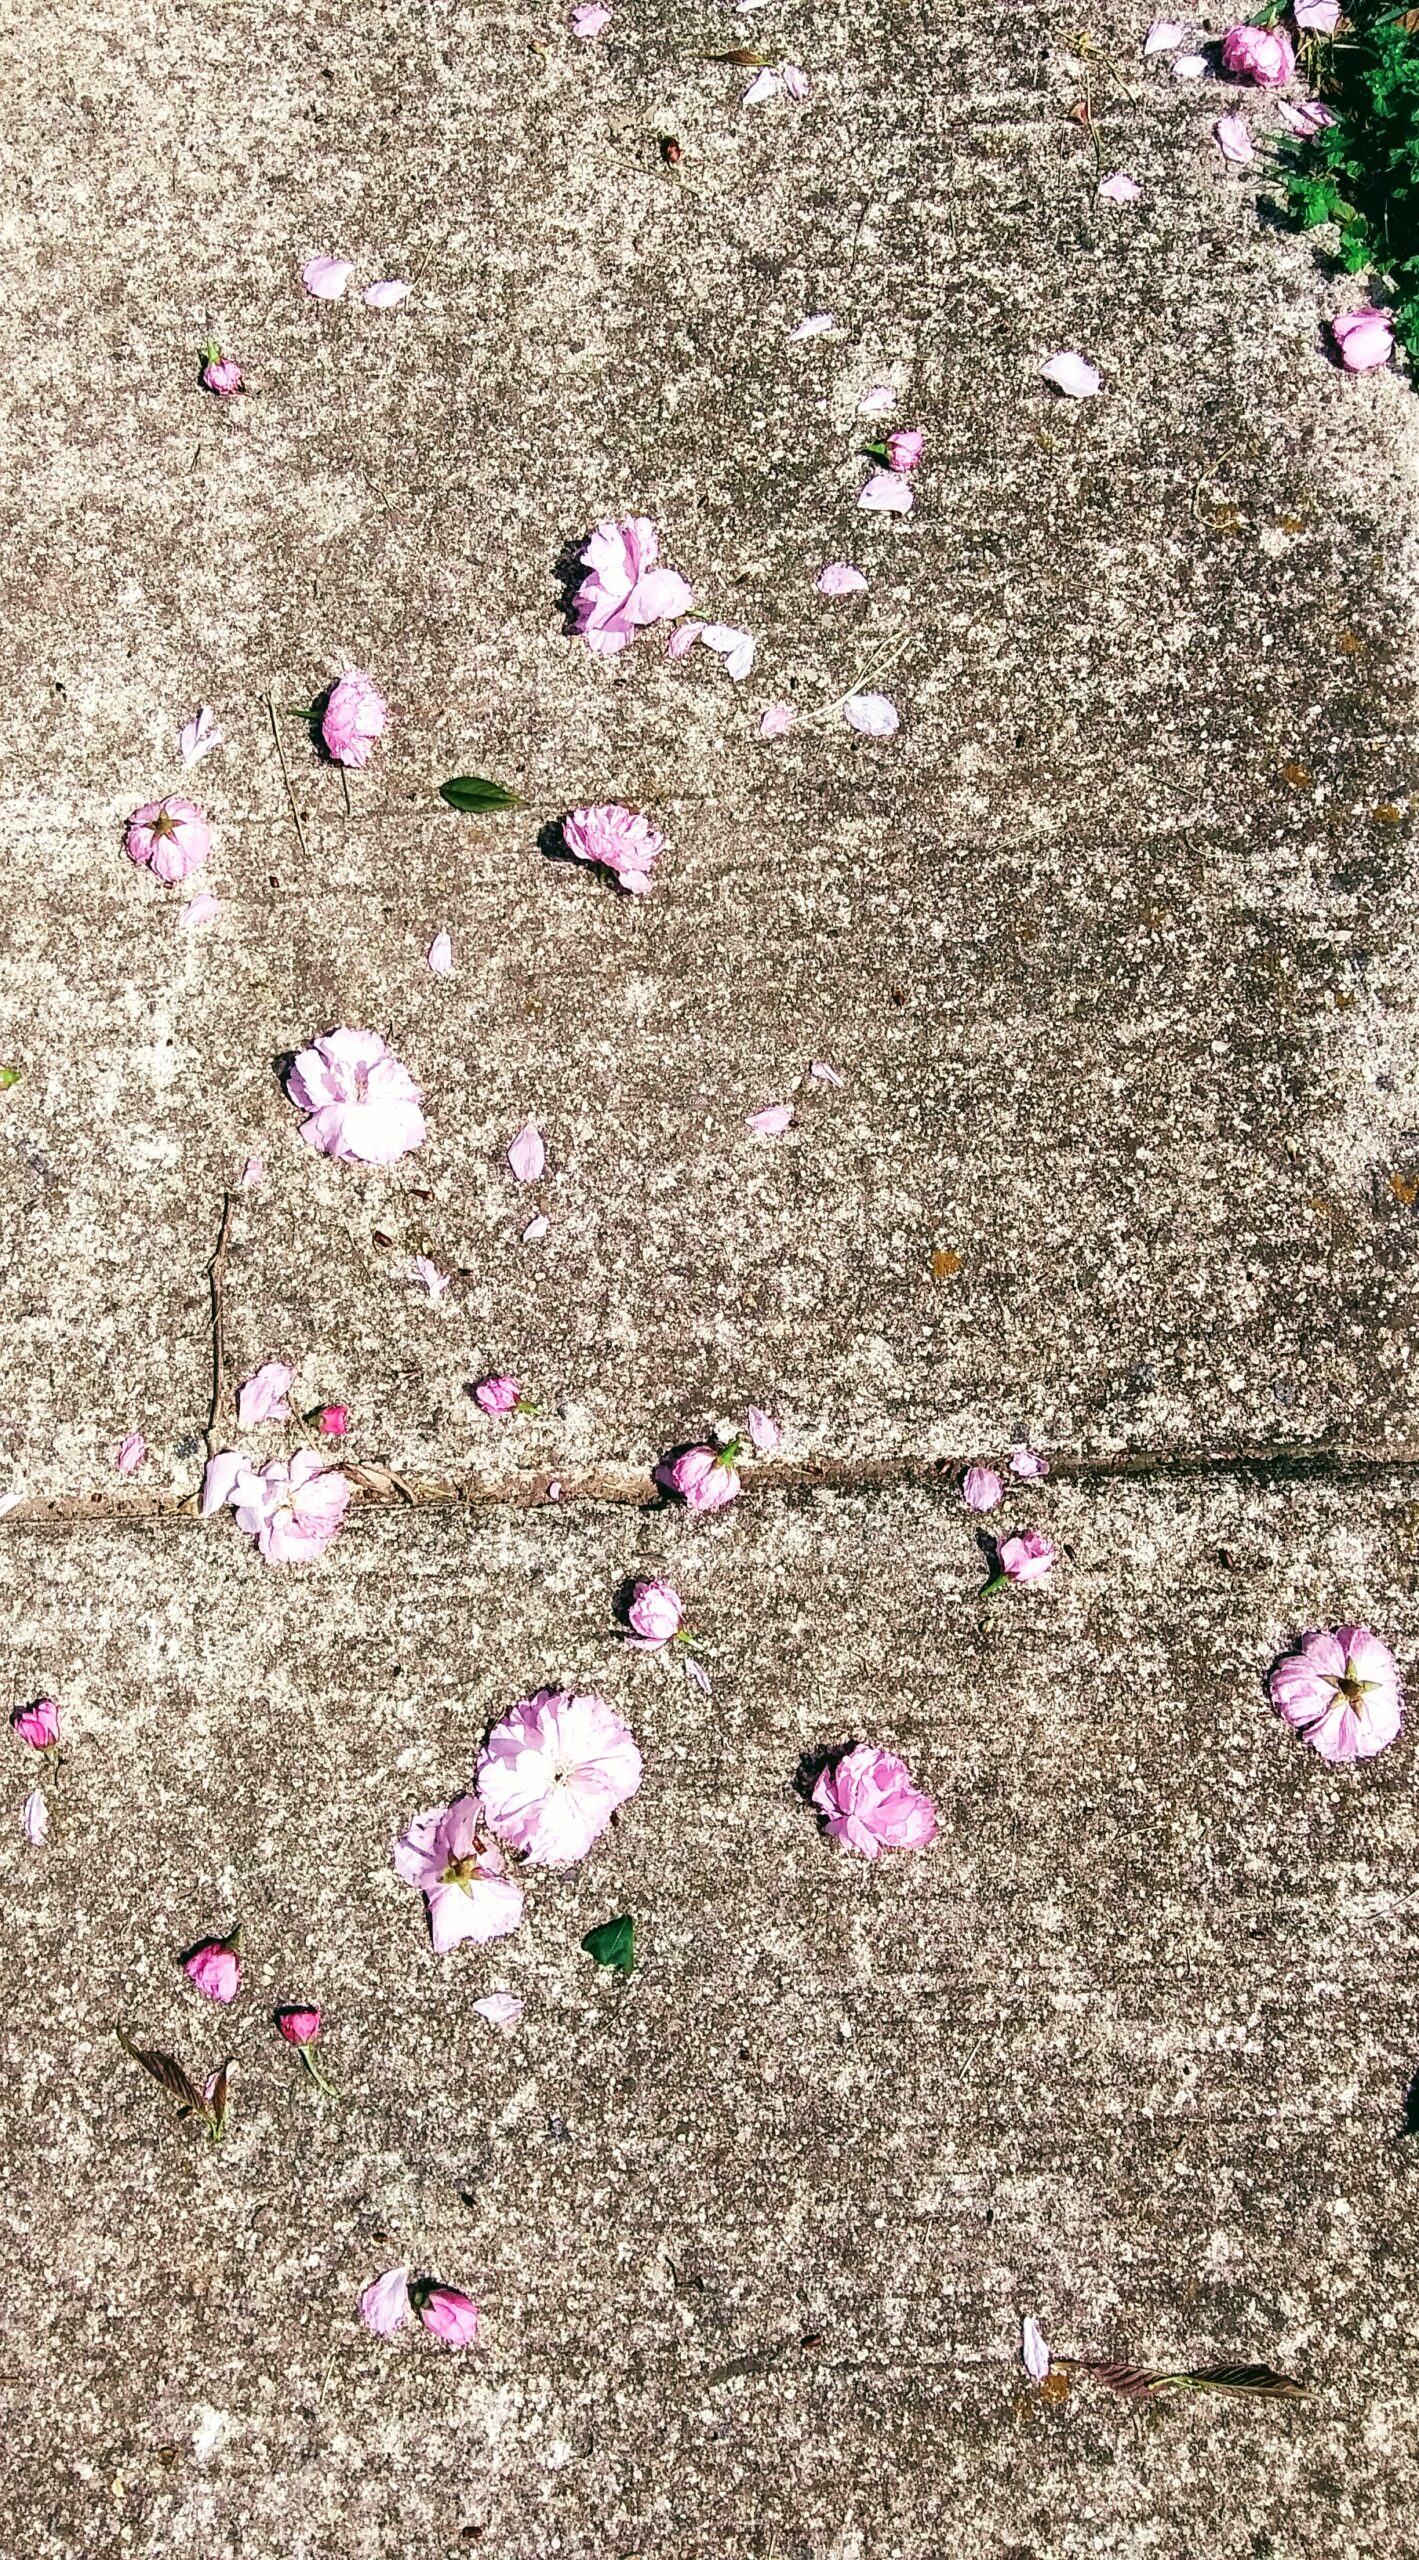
(317, 2074)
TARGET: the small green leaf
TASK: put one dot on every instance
(473, 795)
(614, 1943)
(9, 1076)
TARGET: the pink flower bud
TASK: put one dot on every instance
(354, 717)
(1027, 1559)
(214, 1968)
(450, 2316)
(905, 448)
(222, 374)
(498, 1395)
(38, 1725)
(656, 1613)
(333, 1420)
(298, 2026)
(1365, 338)
(171, 836)
(705, 1479)
(1262, 54)
(981, 1489)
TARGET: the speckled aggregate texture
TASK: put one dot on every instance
(1112, 947)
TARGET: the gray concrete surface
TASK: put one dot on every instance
(1114, 954)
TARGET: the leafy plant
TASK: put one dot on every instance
(1362, 172)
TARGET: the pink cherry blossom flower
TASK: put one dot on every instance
(553, 1772)
(623, 842)
(1262, 54)
(1317, 17)
(1027, 1559)
(34, 1818)
(37, 1725)
(1034, 2354)
(873, 715)
(298, 2026)
(171, 836)
(527, 1155)
(326, 278)
(1342, 1693)
(1030, 1464)
(1120, 188)
(840, 579)
(215, 1968)
(363, 1105)
(1365, 338)
(130, 1454)
(293, 1511)
(879, 402)
(449, 2315)
(434, 1282)
(387, 294)
(764, 1432)
(221, 375)
(502, 2009)
(589, 22)
(198, 736)
(772, 1121)
(440, 956)
(905, 448)
(656, 1615)
(355, 715)
(262, 1396)
(333, 1420)
(1164, 36)
(1234, 140)
(384, 2305)
(869, 1803)
(462, 1877)
(886, 494)
(705, 1479)
(981, 1489)
(498, 1395)
(736, 647)
(777, 720)
(624, 588)
(1070, 374)
(199, 910)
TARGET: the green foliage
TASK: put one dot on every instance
(614, 1943)
(474, 795)
(1362, 173)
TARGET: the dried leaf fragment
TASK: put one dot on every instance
(1387, 814)
(944, 1263)
(1297, 776)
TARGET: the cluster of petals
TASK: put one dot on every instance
(869, 1804)
(355, 715)
(1263, 54)
(768, 83)
(1342, 1692)
(215, 1968)
(292, 1510)
(496, 1396)
(363, 1105)
(386, 2304)
(461, 1874)
(656, 1615)
(705, 1479)
(327, 279)
(905, 449)
(221, 374)
(1028, 1558)
(1365, 338)
(170, 836)
(553, 1772)
(38, 1725)
(619, 839)
(624, 588)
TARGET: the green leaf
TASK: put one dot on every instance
(473, 795)
(614, 1943)
(9, 1076)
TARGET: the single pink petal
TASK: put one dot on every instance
(535, 1229)
(1234, 140)
(682, 639)
(1030, 1464)
(879, 402)
(1120, 188)
(502, 2009)
(527, 1155)
(816, 325)
(131, 1453)
(440, 956)
(697, 1675)
(252, 1172)
(824, 1073)
(1070, 374)
(765, 84)
(262, 1396)
(589, 21)
(765, 1433)
(981, 1489)
(1164, 36)
(770, 1123)
(796, 82)
(874, 714)
(430, 1276)
(840, 579)
(384, 2305)
(1190, 66)
(198, 736)
(777, 720)
(1318, 17)
(201, 909)
(219, 1480)
(1034, 2354)
(34, 1818)
(887, 494)
(327, 278)
(385, 295)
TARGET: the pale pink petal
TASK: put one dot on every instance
(1234, 140)
(981, 1489)
(34, 1818)
(887, 494)
(384, 295)
(440, 956)
(131, 1453)
(219, 1480)
(1164, 36)
(1318, 17)
(262, 1396)
(199, 736)
(1030, 1464)
(816, 325)
(697, 1675)
(252, 1172)
(682, 639)
(384, 2305)
(777, 720)
(201, 909)
(770, 1123)
(1034, 2354)
(765, 1433)
(873, 713)
(662, 595)
(1120, 188)
(1070, 374)
(765, 84)
(1190, 66)
(327, 278)
(527, 1155)
(535, 1229)
(502, 2009)
(589, 21)
(824, 1073)
(736, 647)
(796, 82)
(879, 402)
(430, 1276)
(840, 579)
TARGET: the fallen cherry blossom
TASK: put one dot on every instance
(130, 1453)
(874, 715)
(886, 494)
(589, 21)
(1021, 1560)
(1262, 54)
(1342, 1693)
(363, 1104)
(764, 1432)
(502, 2009)
(355, 715)
(215, 1968)
(447, 2314)
(817, 325)
(221, 375)
(262, 1396)
(326, 278)
(387, 294)
(624, 589)
(620, 840)
(332, 1419)
(200, 910)
(981, 1489)
(461, 1876)
(293, 1511)
(301, 2028)
(777, 720)
(839, 578)
(440, 955)
(1034, 2354)
(497, 1396)
(905, 449)
(705, 1479)
(869, 1804)
(527, 1155)
(1119, 188)
(771, 1122)
(171, 836)
(198, 736)
(656, 1615)
(1365, 338)
(552, 1773)
(38, 1725)
(1070, 374)
(384, 2305)
(34, 1818)
(1234, 140)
